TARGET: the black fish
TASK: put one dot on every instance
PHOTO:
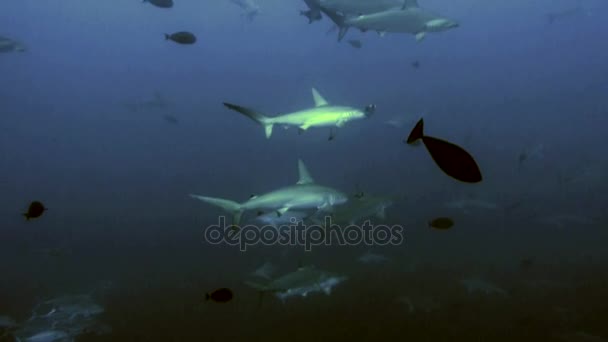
(170, 119)
(441, 223)
(35, 210)
(451, 158)
(160, 3)
(181, 37)
(415, 64)
(355, 43)
(222, 295)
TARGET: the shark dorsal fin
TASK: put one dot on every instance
(304, 176)
(409, 4)
(319, 100)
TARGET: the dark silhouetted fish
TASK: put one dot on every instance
(415, 64)
(222, 295)
(355, 43)
(170, 119)
(441, 223)
(451, 158)
(181, 37)
(161, 3)
(10, 45)
(35, 210)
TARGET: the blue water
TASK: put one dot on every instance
(116, 180)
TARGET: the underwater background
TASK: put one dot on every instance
(112, 127)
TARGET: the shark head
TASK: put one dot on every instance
(442, 24)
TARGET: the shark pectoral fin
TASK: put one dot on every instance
(282, 211)
(420, 36)
(268, 130)
(324, 206)
(304, 126)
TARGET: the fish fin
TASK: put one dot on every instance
(420, 36)
(339, 20)
(417, 133)
(319, 100)
(304, 176)
(304, 127)
(228, 205)
(253, 115)
(381, 33)
(282, 211)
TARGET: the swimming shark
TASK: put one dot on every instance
(10, 45)
(305, 194)
(303, 281)
(321, 115)
(578, 10)
(408, 19)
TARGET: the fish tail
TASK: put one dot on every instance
(339, 20)
(167, 37)
(253, 115)
(228, 205)
(417, 133)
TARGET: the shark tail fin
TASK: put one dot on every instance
(257, 285)
(339, 20)
(228, 205)
(253, 115)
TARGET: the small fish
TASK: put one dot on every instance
(170, 119)
(35, 210)
(10, 45)
(160, 3)
(183, 37)
(415, 64)
(442, 223)
(451, 158)
(371, 258)
(222, 295)
(355, 43)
